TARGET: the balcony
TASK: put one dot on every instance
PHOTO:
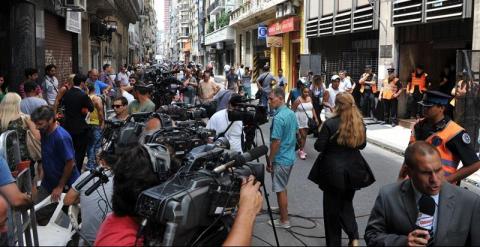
(252, 9)
(223, 34)
(216, 7)
(183, 36)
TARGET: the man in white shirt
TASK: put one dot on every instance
(122, 77)
(226, 68)
(221, 124)
(345, 82)
(50, 84)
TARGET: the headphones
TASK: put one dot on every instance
(159, 159)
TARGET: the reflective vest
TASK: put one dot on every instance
(389, 88)
(439, 140)
(373, 87)
(420, 82)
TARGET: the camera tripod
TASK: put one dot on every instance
(256, 127)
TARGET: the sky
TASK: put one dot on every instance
(158, 5)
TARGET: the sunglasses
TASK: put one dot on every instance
(117, 106)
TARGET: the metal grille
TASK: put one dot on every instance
(424, 11)
(312, 28)
(352, 61)
(443, 9)
(407, 11)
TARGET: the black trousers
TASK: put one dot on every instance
(390, 110)
(414, 109)
(367, 103)
(80, 144)
(338, 214)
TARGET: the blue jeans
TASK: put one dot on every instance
(248, 91)
(93, 146)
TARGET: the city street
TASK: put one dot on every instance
(305, 198)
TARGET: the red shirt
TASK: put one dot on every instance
(118, 231)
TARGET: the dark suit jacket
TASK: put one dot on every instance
(338, 166)
(395, 212)
(74, 101)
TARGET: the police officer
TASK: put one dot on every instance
(368, 88)
(391, 89)
(416, 87)
(450, 139)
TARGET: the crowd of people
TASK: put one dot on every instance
(67, 119)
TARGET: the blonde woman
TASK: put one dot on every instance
(11, 118)
(340, 169)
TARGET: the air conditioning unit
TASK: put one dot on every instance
(279, 11)
(288, 9)
(75, 5)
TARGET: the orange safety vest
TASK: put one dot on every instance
(439, 140)
(420, 82)
(389, 88)
(373, 87)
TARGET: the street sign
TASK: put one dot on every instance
(274, 41)
(73, 22)
(262, 32)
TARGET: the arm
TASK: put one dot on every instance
(87, 103)
(250, 204)
(376, 233)
(97, 102)
(326, 98)
(274, 147)
(463, 172)
(296, 104)
(67, 172)
(323, 138)
(289, 98)
(72, 197)
(363, 78)
(16, 198)
(59, 97)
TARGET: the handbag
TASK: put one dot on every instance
(260, 91)
(312, 124)
(34, 146)
(360, 176)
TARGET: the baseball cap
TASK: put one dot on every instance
(432, 98)
(335, 77)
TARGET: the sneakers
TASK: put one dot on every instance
(302, 154)
(279, 224)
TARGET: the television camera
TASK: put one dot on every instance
(183, 112)
(196, 206)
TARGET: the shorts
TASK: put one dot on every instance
(280, 176)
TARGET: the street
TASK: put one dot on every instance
(305, 198)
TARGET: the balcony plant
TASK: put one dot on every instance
(211, 27)
(223, 20)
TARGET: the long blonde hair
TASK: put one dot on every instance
(351, 132)
(9, 109)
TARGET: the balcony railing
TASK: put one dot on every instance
(250, 8)
(215, 7)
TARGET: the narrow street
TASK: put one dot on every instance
(305, 198)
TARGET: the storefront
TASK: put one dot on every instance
(284, 42)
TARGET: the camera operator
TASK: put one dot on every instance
(120, 106)
(94, 207)
(142, 102)
(134, 174)
(231, 130)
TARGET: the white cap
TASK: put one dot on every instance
(335, 77)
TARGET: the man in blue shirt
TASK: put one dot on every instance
(58, 155)
(100, 86)
(282, 151)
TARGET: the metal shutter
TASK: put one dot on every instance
(58, 46)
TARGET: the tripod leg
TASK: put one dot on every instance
(270, 214)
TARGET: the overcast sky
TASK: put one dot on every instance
(159, 10)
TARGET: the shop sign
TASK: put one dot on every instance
(73, 22)
(274, 41)
(262, 32)
(288, 25)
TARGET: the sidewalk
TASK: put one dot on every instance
(393, 139)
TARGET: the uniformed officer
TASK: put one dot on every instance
(416, 87)
(450, 139)
(391, 89)
(368, 89)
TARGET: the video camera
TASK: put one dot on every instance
(196, 206)
(183, 112)
(249, 114)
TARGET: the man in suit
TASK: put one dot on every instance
(77, 105)
(396, 219)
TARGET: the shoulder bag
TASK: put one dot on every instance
(34, 146)
(312, 125)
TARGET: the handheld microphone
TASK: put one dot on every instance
(426, 207)
(93, 173)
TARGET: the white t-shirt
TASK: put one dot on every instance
(128, 96)
(346, 84)
(51, 88)
(123, 78)
(219, 122)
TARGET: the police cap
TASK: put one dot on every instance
(432, 98)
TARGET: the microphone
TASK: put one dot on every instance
(242, 159)
(93, 173)
(426, 207)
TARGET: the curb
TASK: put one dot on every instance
(387, 147)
